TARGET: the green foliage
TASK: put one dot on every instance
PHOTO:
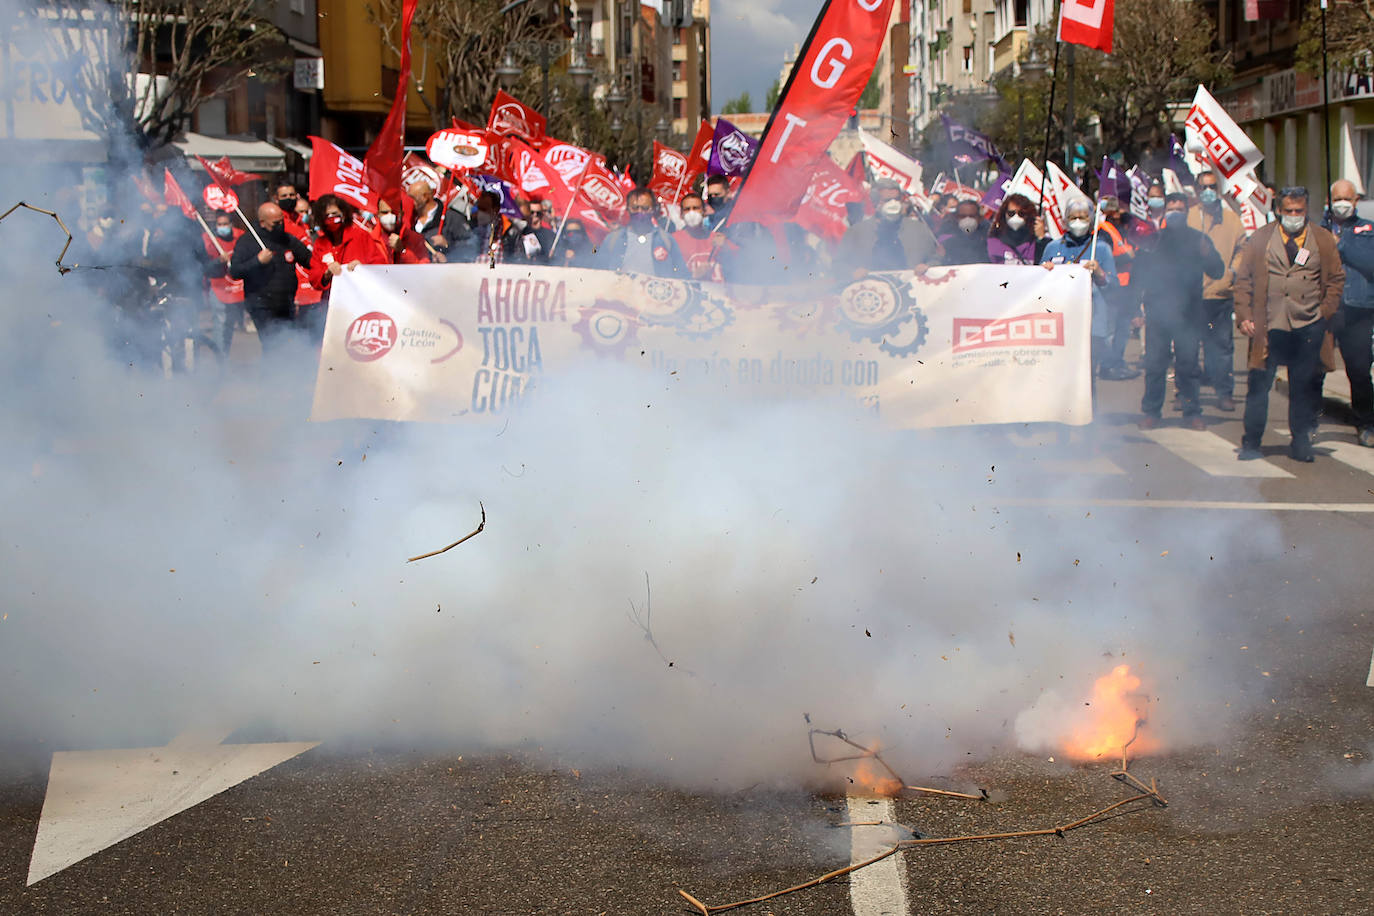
(1349, 37)
(871, 93)
(774, 91)
(741, 104)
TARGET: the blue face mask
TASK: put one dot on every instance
(1156, 203)
(1208, 195)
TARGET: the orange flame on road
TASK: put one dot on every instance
(873, 779)
(1111, 721)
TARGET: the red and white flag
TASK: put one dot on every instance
(603, 191)
(1028, 181)
(1087, 23)
(510, 116)
(886, 161)
(462, 149)
(175, 197)
(830, 74)
(1226, 147)
(823, 209)
(334, 171)
(568, 159)
(532, 175)
(670, 173)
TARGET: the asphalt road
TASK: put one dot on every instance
(1273, 815)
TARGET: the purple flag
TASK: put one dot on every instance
(1112, 181)
(731, 150)
(503, 190)
(1178, 161)
(966, 142)
(997, 191)
(1140, 191)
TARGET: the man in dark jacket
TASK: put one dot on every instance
(1169, 277)
(965, 238)
(1354, 323)
(1288, 288)
(888, 240)
(269, 273)
(641, 246)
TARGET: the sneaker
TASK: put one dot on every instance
(1305, 455)
(1147, 422)
(1119, 374)
(1196, 423)
(1249, 453)
(1367, 437)
(1227, 404)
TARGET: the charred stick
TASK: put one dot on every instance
(829, 876)
(476, 531)
(982, 796)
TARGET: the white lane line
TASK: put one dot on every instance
(1369, 681)
(1202, 504)
(98, 798)
(1211, 453)
(878, 889)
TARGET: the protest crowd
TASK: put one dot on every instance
(1184, 259)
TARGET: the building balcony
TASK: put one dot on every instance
(1008, 48)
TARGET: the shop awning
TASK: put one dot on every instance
(300, 149)
(250, 155)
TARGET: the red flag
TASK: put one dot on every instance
(333, 171)
(223, 173)
(822, 209)
(568, 159)
(700, 156)
(533, 176)
(145, 187)
(1087, 23)
(670, 173)
(383, 159)
(626, 180)
(509, 115)
(830, 74)
(174, 196)
(604, 192)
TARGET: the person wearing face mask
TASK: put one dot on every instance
(1288, 287)
(341, 245)
(887, 240)
(574, 249)
(1172, 265)
(640, 245)
(1011, 239)
(1354, 322)
(269, 274)
(1154, 201)
(719, 201)
(226, 293)
(965, 239)
(401, 242)
(1076, 247)
(1122, 302)
(1219, 223)
(699, 246)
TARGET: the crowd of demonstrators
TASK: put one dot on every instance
(1185, 276)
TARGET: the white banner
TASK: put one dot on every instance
(958, 346)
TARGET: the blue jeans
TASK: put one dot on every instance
(1301, 351)
(1219, 347)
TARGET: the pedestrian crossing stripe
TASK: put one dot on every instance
(1211, 453)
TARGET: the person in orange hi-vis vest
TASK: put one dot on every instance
(1123, 303)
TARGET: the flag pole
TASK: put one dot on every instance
(557, 236)
(218, 247)
(1326, 108)
(251, 228)
(1049, 123)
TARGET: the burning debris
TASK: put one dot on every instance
(476, 531)
(1115, 721)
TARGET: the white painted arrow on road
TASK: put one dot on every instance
(98, 798)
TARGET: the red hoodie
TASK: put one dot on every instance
(356, 244)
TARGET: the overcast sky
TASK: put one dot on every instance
(749, 39)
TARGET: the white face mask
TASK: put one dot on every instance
(1342, 209)
(692, 218)
(388, 221)
(968, 223)
(891, 209)
(1293, 224)
(1078, 227)
(1016, 223)
(106, 222)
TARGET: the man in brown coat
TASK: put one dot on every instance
(1287, 288)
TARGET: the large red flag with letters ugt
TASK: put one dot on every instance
(826, 82)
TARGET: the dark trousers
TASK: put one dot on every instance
(1301, 351)
(1171, 337)
(272, 319)
(1219, 347)
(1354, 334)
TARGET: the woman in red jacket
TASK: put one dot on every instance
(342, 244)
(394, 233)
